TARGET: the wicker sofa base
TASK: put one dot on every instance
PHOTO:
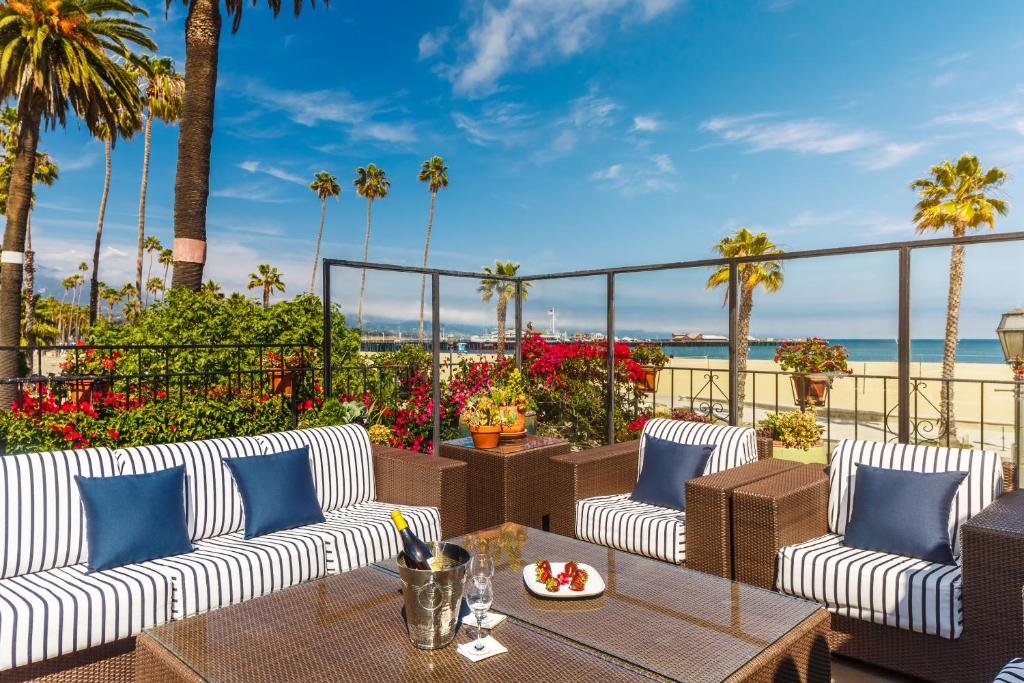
(110, 663)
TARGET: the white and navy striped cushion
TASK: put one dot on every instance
(624, 524)
(735, 445)
(1013, 672)
(341, 458)
(212, 503)
(63, 610)
(878, 587)
(230, 569)
(984, 481)
(364, 533)
(41, 514)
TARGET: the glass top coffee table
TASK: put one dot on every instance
(654, 621)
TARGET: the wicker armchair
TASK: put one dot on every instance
(792, 508)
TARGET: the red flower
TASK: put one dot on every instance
(113, 434)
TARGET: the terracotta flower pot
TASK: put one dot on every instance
(518, 424)
(485, 436)
(810, 390)
(281, 381)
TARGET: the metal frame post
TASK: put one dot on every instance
(519, 323)
(610, 357)
(734, 375)
(435, 343)
(903, 344)
(1018, 428)
(326, 300)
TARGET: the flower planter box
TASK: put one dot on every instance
(814, 455)
(810, 390)
(281, 382)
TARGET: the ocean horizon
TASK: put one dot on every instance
(866, 350)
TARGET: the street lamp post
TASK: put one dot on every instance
(1011, 338)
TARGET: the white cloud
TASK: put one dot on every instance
(252, 166)
(952, 58)
(504, 123)
(249, 193)
(432, 43)
(891, 154)
(764, 132)
(592, 111)
(311, 108)
(655, 174)
(943, 79)
(645, 124)
(526, 33)
(1001, 116)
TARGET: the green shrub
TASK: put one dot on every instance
(794, 429)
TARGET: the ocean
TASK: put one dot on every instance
(921, 350)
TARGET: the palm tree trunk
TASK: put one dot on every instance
(94, 284)
(192, 181)
(366, 257)
(426, 255)
(743, 348)
(947, 419)
(149, 274)
(139, 246)
(319, 236)
(266, 296)
(502, 307)
(19, 202)
(30, 286)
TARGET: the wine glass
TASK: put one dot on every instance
(481, 564)
(479, 597)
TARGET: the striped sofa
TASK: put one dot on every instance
(618, 522)
(50, 606)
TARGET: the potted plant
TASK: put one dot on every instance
(795, 435)
(514, 403)
(652, 359)
(282, 370)
(485, 419)
(815, 364)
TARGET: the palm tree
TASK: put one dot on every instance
(764, 274)
(435, 174)
(212, 289)
(372, 183)
(67, 284)
(152, 246)
(502, 290)
(268, 279)
(165, 259)
(325, 185)
(124, 126)
(163, 92)
(153, 286)
(192, 181)
(954, 197)
(56, 56)
(129, 294)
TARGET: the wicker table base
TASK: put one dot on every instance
(509, 483)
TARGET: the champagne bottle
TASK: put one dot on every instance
(417, 554)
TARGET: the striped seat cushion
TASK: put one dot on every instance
(736, 445)
(41, 513)
(63, 610)
(364, 533)
(1013, 672)
(212, 503)
(984, 481)
(341, 459)
(878, 587)
(623, 524)
(230, 569)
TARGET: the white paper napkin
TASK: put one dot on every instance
(490, 620)
(491, 648)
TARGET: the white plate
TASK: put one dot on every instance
(595, 584)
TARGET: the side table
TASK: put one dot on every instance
(509, 483)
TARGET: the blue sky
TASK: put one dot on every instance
(584, 134)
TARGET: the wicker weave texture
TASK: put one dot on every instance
(348, 628)
(407, 478)
(601, 471)
(111, 663)
(509, 483)
(777, 511)
(709, 540)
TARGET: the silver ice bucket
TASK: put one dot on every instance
(433, 598)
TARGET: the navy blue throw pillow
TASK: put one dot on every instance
(135, 517)
(903, 513)
(277, 491)
(667, 467)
